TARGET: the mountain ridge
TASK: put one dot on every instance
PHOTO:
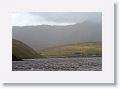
(44, 36)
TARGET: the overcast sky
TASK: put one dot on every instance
(54, 18)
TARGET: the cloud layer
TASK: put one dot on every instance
(54, 18)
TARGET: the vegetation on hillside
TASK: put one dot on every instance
(86, 49)
(23, 51)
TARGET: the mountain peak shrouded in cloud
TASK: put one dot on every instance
(41, 30)
(54, 18)
(45, 36)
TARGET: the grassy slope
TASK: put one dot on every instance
(21, 50)
(72, 50)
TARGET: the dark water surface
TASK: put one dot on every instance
(59, 64)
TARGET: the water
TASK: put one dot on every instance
(59, 64)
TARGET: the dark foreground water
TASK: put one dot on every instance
(59, 64)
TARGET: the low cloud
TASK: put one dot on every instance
(54, 18)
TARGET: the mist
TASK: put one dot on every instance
(45, 36)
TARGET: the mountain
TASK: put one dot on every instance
(21, 51)
(88, 49)
(45, 36)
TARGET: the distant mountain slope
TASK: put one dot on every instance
(21, 50)
(74, 50)
(44, 36)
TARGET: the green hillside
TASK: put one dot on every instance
(21, 50)
(74, 50)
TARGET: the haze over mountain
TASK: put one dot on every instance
(45, 36)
